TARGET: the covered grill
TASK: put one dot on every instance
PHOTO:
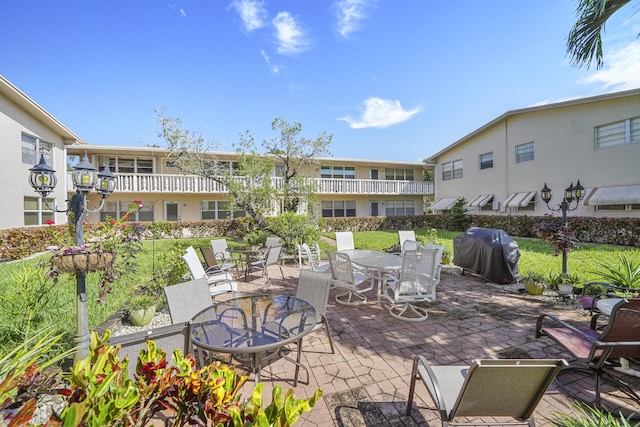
(488, 252)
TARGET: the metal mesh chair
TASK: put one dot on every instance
(486, 388)
(620, 338)
(345, 276)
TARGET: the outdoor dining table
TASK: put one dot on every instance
(254, 328)
(378, 261)
(248, 255)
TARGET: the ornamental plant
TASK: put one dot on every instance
(98, 391)
(120, 238)
(559, 235)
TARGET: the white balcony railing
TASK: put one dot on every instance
(138, 183)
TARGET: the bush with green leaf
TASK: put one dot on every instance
(587, 416)
(625, 273)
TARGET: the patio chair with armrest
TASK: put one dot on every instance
(345, 276)
(419, 276)
(487, 388)
(344, 241)
(221, 253)
(219, 282)
(316, 265)
(620, 338)
(271, 257)
(404, 235)
(187, 299)
(211, 261)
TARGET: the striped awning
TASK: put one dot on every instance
(519, 200)
(620, 195)
(480, 201)
(444, 204)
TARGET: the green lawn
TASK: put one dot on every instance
(34, 298)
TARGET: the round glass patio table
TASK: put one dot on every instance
(378, 261)
(253, 327)
(248, 254)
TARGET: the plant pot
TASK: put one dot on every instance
(534, 288)
(92, 261)
(446, 259)
(565, 289)
(142, 316)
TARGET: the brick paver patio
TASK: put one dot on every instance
(366, 382)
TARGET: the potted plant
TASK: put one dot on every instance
(534, 283)
(110, 250)
(142, 309)
(563, 283)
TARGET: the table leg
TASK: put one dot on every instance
(256, 367)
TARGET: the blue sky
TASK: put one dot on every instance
(389, 79)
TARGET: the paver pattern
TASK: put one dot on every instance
(366, 382)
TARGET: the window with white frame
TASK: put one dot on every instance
(452, 170)
(117, 209)
(399, 207)
(524, 152)
(138, 165)
(486, 160)
(619, 207)
(36, 211)
(618, 133)
(33, 147)
(338, 208)
(398, 174)
(218, 209)
(338, 172)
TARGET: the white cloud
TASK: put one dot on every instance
(622, 70)
(275, 68)
(349, 15)
(183, 13)
(292, 38)
(379, 113)
(252, 13)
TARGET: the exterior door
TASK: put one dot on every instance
(375, 174)
(374, 207)
(172, 211)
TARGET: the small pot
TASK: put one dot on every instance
(143, 316)
(565, 289)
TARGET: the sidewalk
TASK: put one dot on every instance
(366, 382)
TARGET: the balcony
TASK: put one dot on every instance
(156, 183)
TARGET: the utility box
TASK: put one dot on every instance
(491, 253)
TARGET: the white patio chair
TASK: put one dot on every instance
(316, 265)
(219, 283)
(345, 276)
(404, 235)
(344, 240)
(419, 276)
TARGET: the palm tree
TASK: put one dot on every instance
(584, 43)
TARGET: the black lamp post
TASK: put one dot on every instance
(85, 179)
(572, 193)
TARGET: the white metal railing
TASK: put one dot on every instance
(171, 183)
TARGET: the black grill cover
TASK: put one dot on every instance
(489, 252)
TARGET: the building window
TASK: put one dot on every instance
(486, 161)
(32, 147)
(531, 206)
(399, 207)
(117, 210)
(338, 209)
(338, 172)
(36, 211)
(398, 174)
(618, 133)
(619, 207)
(524, 152)
(218, 209)
(127, 165)
(452, 170)
(278, 171)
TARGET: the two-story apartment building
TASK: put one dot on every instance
(500, 168)
(345, 187)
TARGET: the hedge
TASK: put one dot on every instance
(17, 243)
